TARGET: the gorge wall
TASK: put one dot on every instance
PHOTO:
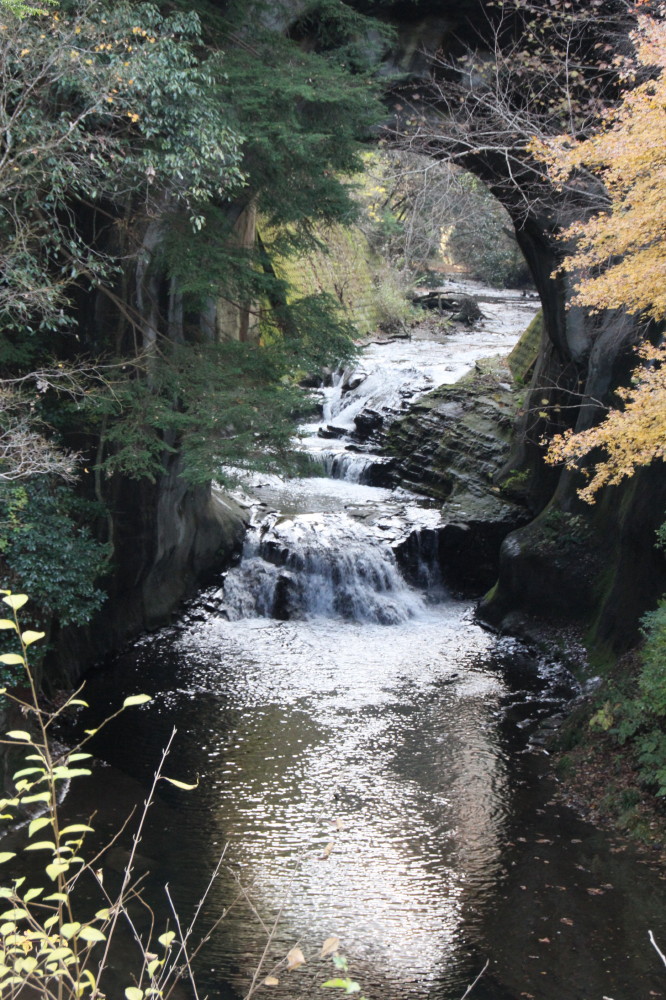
(598, 565)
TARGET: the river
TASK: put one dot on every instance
(368, 756)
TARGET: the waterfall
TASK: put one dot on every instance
(348, 465)
(319, 565)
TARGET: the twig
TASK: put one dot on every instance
(472, 985)
(656, 947)
(269, 941)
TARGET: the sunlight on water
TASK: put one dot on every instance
(373, 740)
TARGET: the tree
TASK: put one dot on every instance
(132, 142)
(19, 8)
(620, 260)
(414, 207)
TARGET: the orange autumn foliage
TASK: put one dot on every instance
(620, 261)
(631, 437)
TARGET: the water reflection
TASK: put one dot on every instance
(355, 771)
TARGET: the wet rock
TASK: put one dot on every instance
(451, 445)
(330, 431)
(354, 380)
(368, 422)
(464, 308)
(286, 598)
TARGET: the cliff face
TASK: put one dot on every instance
(597, 565)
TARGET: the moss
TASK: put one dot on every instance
(524, 355)
(347, 269)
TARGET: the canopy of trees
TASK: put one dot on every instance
(133, 142)
(620, 259)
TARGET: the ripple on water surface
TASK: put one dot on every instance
(355, 772)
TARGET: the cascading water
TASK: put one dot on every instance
(319, 565)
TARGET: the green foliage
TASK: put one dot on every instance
(302, 114)
(516, 484)
(635, 713)
(56, 938)
(134, 140)
(48, 548)
(391, 303)
(661, 536)
(19, 8)
(216, 404)
(114, 92)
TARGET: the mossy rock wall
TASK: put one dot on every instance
(347, 269)
(523, 357)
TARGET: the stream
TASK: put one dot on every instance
(369, 757)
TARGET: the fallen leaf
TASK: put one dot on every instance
(330, 946)
(295, 957)
(271, 981)
(567, 921)
(327, 851)
(544, 940)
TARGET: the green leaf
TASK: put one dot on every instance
(62, 772)
(77, 828)
(56, 897)
(103, 914)
(18, 913)
(29, 636)
(70, 929)
(180, 784)
(18, 734)
(15, 601)
(136, 699)
(37, 797)
(11, 659)
(7, 623)
(133, 993)
(6, 856)
(28, 770)
(56, 868)
(91, 934)
(78, 701)
(39, 824)
(348, 985)
(166, 939)
(41, 845)
(32, 894)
